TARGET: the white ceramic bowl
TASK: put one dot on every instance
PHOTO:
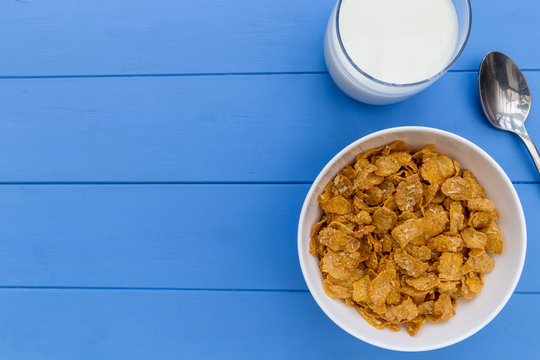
(471, 316)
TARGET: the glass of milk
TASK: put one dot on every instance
(384, 51)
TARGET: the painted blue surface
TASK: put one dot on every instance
(154, 157)
(66, 37)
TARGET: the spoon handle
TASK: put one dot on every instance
(532, 148)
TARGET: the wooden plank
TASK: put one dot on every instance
(197, 236)
(211, 36)
(169, 236)
(161, 36)
(78, 324)
(220, 128)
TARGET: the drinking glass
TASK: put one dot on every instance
(365, 88)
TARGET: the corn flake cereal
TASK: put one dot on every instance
(404, 233)
(384, 219)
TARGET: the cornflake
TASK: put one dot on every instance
(403, 235)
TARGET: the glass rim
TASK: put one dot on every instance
(437, 75)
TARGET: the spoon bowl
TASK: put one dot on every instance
(506, 98)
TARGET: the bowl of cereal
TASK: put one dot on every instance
(412, 239)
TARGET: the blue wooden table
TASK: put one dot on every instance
(154, 156)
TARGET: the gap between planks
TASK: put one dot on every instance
(126, 288)
(21, 183)
(260, 73)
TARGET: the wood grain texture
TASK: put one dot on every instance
(220, 128)
(141, 270)
(67, 37)
(169, 236)
(77, 324)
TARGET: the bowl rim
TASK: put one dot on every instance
(302, 247)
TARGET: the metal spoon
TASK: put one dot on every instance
(506, 98)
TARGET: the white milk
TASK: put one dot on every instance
(399, 41)
(388, 50)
